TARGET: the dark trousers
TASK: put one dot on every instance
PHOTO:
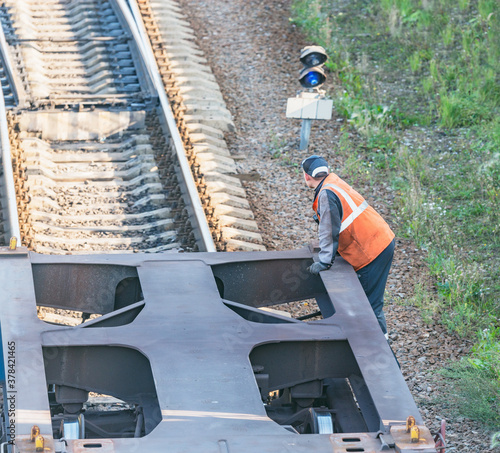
(373, 278)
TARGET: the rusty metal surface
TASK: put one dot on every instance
(360, 442)
(25, 444)
(189, 359)
(403, 441)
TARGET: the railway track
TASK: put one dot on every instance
(98, 162)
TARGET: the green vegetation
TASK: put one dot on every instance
(486, 353)
(276, 146)
(420, 82)
(475, 394)
(476, 390)
(495, 440)
(278, 149)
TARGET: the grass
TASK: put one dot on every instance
(476, 396)
(279, 150)
(495, 440)
(420, 84)
(277, 146)
(420, 299)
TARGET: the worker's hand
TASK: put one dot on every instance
(316, 268)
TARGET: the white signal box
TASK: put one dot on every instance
(309, 108)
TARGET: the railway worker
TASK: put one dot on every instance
(349, 226)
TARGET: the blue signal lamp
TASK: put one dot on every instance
(312, 77)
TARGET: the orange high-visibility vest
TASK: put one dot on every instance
(364, 234)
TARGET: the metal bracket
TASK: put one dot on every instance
(386, 440)
(440, 438)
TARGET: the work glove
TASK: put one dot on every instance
(316, 268)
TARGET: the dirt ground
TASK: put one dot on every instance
(253, 50)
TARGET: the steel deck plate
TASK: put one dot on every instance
(198, 349)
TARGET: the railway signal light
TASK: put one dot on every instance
(310, 104)
(313, 58)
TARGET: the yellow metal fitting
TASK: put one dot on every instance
(35, 431)
(39, 443)
(415, 434)
(13, 243)
(410, 423)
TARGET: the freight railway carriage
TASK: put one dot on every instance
(194, 352)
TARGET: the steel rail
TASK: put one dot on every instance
(8, 174)
(133, 17)
(63, 95)
(9, 71)
(78, 40)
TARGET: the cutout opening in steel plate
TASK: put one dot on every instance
(313, 387)
(73, 294)
(273, 291)
(74, 372)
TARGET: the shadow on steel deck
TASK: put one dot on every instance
(182, 344)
